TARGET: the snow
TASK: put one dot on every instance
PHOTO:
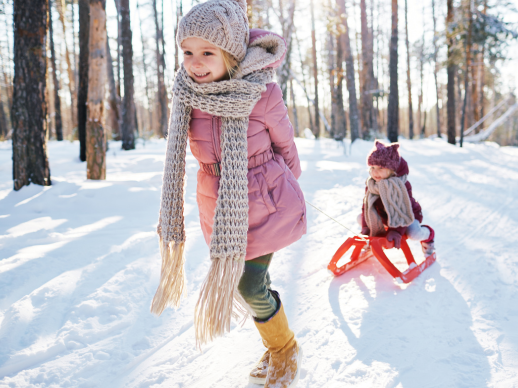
(79, 265)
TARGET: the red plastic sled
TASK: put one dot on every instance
(377, 245)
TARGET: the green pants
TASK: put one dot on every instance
(254, 286)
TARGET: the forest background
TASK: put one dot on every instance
(92, 70)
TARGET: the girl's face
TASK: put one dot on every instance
(203, 61)
(378, 173)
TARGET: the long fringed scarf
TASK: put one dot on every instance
(395, 199)
(233, 100)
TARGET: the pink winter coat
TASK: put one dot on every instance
(277, 211)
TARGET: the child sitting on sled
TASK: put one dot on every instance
(388, 206)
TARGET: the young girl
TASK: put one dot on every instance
(250, 204)
(388, 205)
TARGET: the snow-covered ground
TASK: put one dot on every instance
(79, 265)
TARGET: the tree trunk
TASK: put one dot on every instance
(29, 111)
(294, 110)
(408, 79)
(57, 102)
(61, 7)
(316, 128)
(331, 67)
(179, 14)
(283, 73)
(451, 75)
(337, 93)
(310, 116)
(421, 77)
(95, 138)
(366, 74)
(128, 105)
(144, 65)
(466, 74)
(349, 68)
(393, 103)
(82, 93)
(436, 70)
(113, 99)
(161, 93)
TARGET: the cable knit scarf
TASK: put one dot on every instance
(233, 100)
(395, 199)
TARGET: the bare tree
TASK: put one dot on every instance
(466, 73)
(283, 73)
(82, 93)
(29, 110)
(57, 101)
(294, 109)
(160, 65)
(179, 14)
(436, 69)
(316, 128)
(95, 138)
(144, 65)
(367, 74)
(349, 69)
(393, 103)
(113, 98)
(451, 74)
(61, 7)
(128, 104)
(408, 79)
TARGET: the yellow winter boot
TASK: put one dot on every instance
(260, 371)
(285, 353)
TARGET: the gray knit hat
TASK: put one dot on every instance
(221, 22)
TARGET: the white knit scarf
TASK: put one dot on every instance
(233, 100)
(395, 199)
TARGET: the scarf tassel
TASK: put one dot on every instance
(219, 301)
(172, 277)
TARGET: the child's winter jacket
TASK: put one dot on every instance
(277, 211)
(402, 170)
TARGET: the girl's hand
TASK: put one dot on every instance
(366, 231)
(396, 237)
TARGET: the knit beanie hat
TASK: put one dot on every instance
(221, 22)
(386, 157)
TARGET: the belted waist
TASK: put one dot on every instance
(253, 161)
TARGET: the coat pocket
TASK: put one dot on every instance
(265, 192)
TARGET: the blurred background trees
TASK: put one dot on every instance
(355, 69)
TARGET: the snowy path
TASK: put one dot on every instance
(79, 265)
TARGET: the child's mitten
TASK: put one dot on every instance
(396, 237)
(366, 231)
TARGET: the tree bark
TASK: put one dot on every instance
(294, 110)
(466, 74)
(366, 74)
(128, 104)
(435, 70)
(349, 68)
(340, 130)
(82, 93)
(408, 79)
(331, 67)
(144, 66)
(29, 110)
(316, 128)
(61, 7)
(421, 78)
(451, 75)
(393, 103)
(95, 137)
(161, 93)
(283, 73)
(113, 99)
(57, 101)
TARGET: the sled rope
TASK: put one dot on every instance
(339, 223)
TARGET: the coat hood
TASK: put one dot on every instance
(265, 50)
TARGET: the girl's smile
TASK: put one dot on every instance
(203, 61)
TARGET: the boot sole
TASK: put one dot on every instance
(259, 381)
